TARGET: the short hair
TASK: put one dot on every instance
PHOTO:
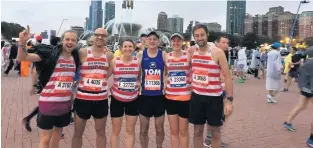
(69, 31)
(199, 26)
(220, 37)
(192, 43)
(128, 40)
(143, 35)
(294, 48)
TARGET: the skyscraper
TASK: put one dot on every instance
(95, 15)
(175, 24)
(109, 11)
(162, 21)
(236, 11)
(306, 24)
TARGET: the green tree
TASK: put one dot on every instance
(250, 40)
(9, 30)
(234, 40)
(309, 41)
(264, 39)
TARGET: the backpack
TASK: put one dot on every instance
(46, 67)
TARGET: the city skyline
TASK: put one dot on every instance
(42, 21)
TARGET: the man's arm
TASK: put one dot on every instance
(110, 58)
(22, 55)
(225, 71)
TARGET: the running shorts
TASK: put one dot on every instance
(86, 108)
(47, 122)
(180, 108)
(119, 108)
(149, 106)
(206, 109)
(307, 95)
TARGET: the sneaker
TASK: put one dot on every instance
(309, 142)
(289, 126)
(62, 136)
(285, 90)
(270, 99)
(207, 142)
(26, 124)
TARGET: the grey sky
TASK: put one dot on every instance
(46, 15)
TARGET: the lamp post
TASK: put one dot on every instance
(295, 20)
(61, 26)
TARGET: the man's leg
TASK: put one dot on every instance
(144, 129)
(79, 128)
(183, 132)
(216, 137)
(174, 128)
(159, 128)
(11, 64)
(55, 138)
(116, 130)
(45, 136)
(288, 83)
(100, 125)
(198, 135)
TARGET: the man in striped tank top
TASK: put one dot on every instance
(124, 92)
(151, 102)
(92, 93)
(207, 105)
(55, 99)
(178, 92)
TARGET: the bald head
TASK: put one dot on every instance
(100, 37)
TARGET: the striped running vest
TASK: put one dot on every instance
(59, 87)
(205, 75)
(179, 80)
(152, 74)
(93, 78)
(125, 80)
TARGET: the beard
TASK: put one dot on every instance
(202, 43)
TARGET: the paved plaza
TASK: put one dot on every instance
(254, 123)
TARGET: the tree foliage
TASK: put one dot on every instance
(9, 30)
(250, 40)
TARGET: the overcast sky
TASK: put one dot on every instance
(46, 15)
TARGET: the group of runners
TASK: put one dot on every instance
(187, 84)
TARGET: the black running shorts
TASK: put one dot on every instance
(208, 109)
(180, 108)
(86, 108)
(47, 122)
(118, 108)
(149, 106)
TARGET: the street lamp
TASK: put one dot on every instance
(295, 20)
(61, 26)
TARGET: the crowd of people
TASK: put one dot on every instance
(191, 85)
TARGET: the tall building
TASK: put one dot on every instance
(95, 15)
(109, 11)
(162, 21)
(175, 24)
(86, 24)
(236, 11)
(248, 23)
(276, 10)
(306, 24)
(285, 24)
(44, 34)
(78, 29)
(53, 33)
(214, 26)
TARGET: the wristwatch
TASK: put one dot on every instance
(230, 99)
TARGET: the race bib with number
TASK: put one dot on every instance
(127, 84)
(178, 79)
(63, 84)
(153, 82)
(200, 77)
(93, 82)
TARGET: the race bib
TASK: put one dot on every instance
(178, 79)
(153, 82)
(200, 77)
(63, 84)
(127, 84)
(93, 82)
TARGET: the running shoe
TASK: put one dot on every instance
(289, 126)
(285, 90)
(62, 136)
(270, 99)
(26, 124)
(309, 142)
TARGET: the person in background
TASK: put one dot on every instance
(12, 57)
(2, 44)
(143, 40)
(263, 60)
(255, 62)
(294, 66)
(233, 58)
(242, 65)
(5, 56)
(139, 46)
(273, 74)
